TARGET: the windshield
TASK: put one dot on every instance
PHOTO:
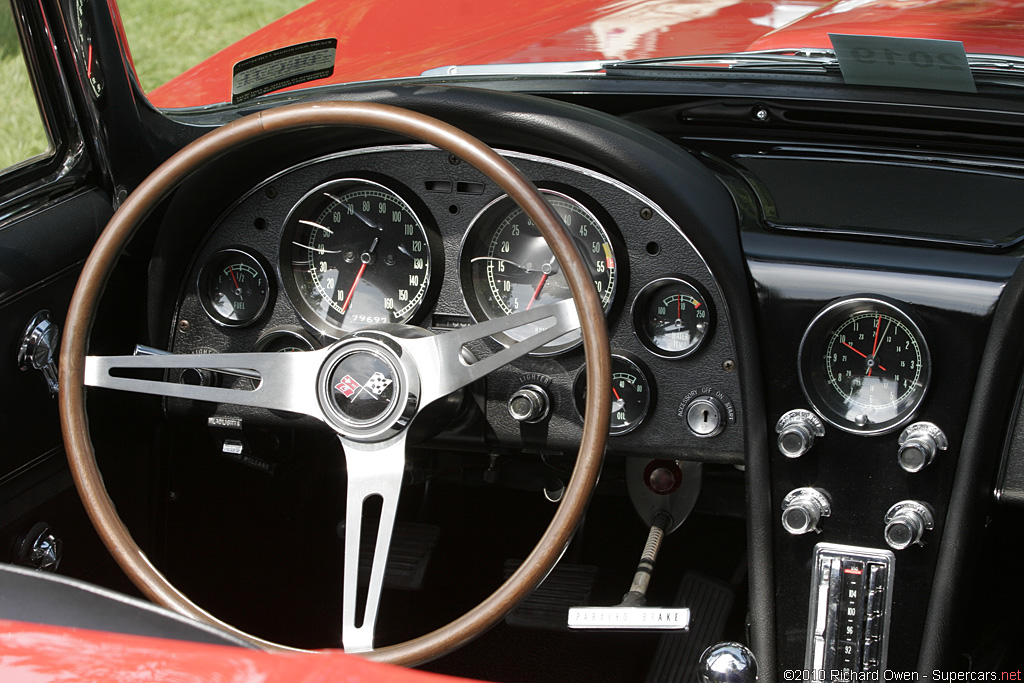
(243, 49)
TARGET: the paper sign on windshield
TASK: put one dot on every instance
(903, 62)
(282, 68)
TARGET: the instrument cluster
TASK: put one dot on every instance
(404, 235)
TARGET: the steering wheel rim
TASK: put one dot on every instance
(159, 185)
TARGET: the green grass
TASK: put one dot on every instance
(22, 135)
(166, 38)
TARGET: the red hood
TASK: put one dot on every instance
(397, 38)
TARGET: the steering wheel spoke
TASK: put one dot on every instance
(374, 481)
(367, 388)
(278, 381)
(444, 368)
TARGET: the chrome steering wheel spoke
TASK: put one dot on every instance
(444, 369)
(374, 471)
(280, 381)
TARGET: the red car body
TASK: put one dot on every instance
(396, 38)
(380, 39)
(32, 653)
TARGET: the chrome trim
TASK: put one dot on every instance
(645, 293)
(874, 304)
(306, 312)
(205, 272)
(825, 585)
(473, 227)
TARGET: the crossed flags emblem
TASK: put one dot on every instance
(376, 385)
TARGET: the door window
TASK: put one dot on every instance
(23, 135)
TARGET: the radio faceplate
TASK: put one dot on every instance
(850, 604)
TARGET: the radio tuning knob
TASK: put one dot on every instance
(919, 443)
(803, 508)
(906, 522)
(797, 430)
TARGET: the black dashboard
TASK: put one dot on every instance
(464, 254)
(837, 288)
(858, 219)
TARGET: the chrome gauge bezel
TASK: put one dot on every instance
(420, 215)
(300, 340)
(825, 330)
(644, 298)
(472, 238)
(212, 266)
(634, 365)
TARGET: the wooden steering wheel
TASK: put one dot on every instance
(417, 367)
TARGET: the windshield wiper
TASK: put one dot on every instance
(785, 58)
(529, 68)
(820, 60)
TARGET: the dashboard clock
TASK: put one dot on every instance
(864, 365)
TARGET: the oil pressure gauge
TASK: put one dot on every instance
(234, 288)
(632, 394)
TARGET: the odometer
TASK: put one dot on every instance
(865, 365)
(506, 266)
(354, 253)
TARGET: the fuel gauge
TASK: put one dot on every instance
(234, 288)
(632, 394)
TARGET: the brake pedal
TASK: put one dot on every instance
(411, 548)
(548, 606)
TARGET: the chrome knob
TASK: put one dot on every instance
(38, 348)
(797, 430)
(906, 522)
(529, 403)
(803, 508)
(919, 443)
(727, 662)
(39, 549)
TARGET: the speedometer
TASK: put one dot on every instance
(354, 253)
(506, 266)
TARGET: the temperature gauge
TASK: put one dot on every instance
(671, 317)
(234, 288)
(632, 394)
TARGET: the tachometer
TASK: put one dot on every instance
(506, 266)
(865, 365)
(354, 253)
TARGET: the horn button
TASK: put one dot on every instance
(366, 392)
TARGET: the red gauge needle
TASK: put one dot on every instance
(359, 276)
(233, 279)
(536, 292)
(862, 355)
(874, 348)
(617, 397)
(546, 270)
